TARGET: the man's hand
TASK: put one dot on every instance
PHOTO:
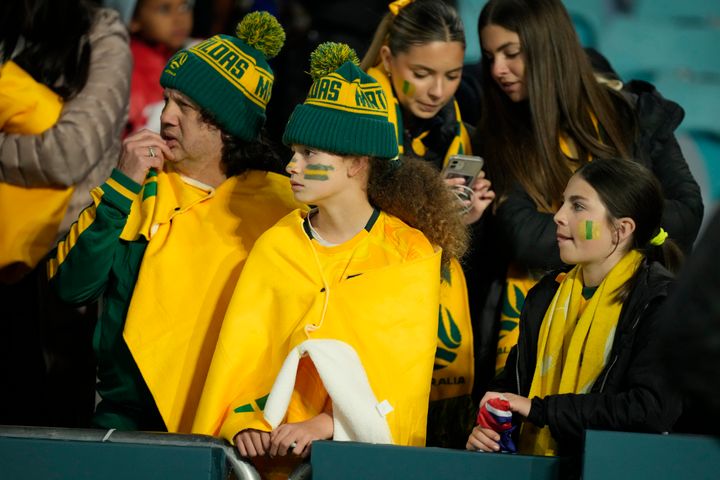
(301, 434)
(252, 443)
(141, 152)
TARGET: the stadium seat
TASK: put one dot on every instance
(705, 12)
(639, 49)
(615, 455)
(698, 93)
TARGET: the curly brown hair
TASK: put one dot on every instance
(412, 190)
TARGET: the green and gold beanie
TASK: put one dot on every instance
(229, 76)
(346, 111)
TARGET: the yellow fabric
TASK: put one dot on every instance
(398, 5)
(518, 283)
(454, 377)
(454, 367)
(199, 239)
(377, 292)
(30, 216)
(573, 348)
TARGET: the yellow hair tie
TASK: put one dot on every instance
(659, 239)
(398, 5)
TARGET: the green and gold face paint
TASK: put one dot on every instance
(589, 230)
(318, 171)
(408, 88)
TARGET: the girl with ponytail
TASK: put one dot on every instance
(332, 329)
(586, 354)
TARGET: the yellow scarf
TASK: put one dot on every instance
(573, 348)
(387, 314)
(30, 216)
(454, 373)
(199, 238)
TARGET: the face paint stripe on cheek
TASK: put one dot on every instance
(589, 230)
(318, 171)
(408, 88)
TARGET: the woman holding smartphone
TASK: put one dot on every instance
(417, 57)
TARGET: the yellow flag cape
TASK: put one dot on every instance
(573, 347)
(387, 315)
(197, 248)
(30, 216)
(454, 364)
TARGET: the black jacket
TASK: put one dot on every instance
(630, 394)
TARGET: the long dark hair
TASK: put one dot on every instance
(239, 156)
(419, 23)
(520, 141)
(627, 189)
(55, 45)
(412, 190)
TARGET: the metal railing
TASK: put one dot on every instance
(240, 468)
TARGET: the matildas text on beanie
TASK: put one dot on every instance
(346, 111)
(229, 76)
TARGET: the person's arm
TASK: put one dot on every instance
(683, 208)
(530, 234)
(63, 155)
(658, 118)
(645, 404)
(79, 267)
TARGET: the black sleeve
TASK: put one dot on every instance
(530, 234)
(659, 149)
(644, 402)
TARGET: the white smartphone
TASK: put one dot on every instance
(463, 166)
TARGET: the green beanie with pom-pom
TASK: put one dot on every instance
(346, 111)
(229, 76)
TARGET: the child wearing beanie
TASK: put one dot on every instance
(331, 332)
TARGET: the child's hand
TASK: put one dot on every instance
(298, 437)
(252, 443)
(483, 439)
(519, 404)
